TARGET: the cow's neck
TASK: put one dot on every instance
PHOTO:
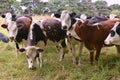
(73, 20)
(22, 34)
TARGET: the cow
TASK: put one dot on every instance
(18, 28)
(114, 35)
(68, 22)
(42, 33)
(4, 38)
(94, 35)
(71, 39)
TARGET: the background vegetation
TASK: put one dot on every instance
(78, 6)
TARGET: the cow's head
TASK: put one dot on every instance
(31, 53)
(11, 25)
(65, 20)
(114, 35)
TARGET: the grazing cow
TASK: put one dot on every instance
(114, 35)
(4, 38)
(18, 28)
(42, 33)
(93, 36)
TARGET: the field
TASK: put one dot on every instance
(16, 68)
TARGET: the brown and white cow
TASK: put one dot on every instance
(42, 33)
(72, 39)
(18, 28)
(93, 36)
(67, 21)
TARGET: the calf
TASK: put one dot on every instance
(42, 33)
(93, 36)
(18, 28)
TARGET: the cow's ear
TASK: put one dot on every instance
(4, 25)
(73, 14)
(86, 22)
(79, 22)
(13, 16)
(20, 25)
(22, 49)
(3, 16)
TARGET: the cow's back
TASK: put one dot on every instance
(53, 30)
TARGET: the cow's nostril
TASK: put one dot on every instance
(11, 38)
(65, 27)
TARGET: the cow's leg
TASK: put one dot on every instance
(98, 49)
(17, 49)
(91, 56)
(118, 49)
(63, 50)
(80, 51)
(91, 49)
(72, 48)
(40, 59)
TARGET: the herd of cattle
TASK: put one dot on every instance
(94, 33)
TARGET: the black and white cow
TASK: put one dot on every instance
(42, 33)
(18, 28)
(114, 35)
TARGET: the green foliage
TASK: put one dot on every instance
(115, 6)
(78, 6)
(117, 12)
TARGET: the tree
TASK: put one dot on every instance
(102, 7)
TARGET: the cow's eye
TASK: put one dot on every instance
(112, 33)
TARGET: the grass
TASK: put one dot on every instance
(12, 68)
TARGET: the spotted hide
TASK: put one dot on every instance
(46, 32)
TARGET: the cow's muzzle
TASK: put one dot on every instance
(32, 68)
(11, 39)
(64, 27)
